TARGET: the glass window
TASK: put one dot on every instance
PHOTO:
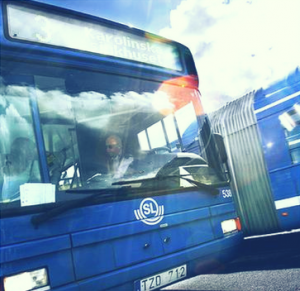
(18, 150)
(290, 120)
(59, 132)
(156, 135)
(143, 140)
(185, 116)
(95, 129)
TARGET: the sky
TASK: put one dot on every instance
(238, 45)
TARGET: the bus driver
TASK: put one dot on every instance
(117, 162)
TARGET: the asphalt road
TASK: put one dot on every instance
(268, 263)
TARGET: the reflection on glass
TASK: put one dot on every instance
(185, 116)
(290, 120)
(203, 174)
(287, 122)
(143, 141)
(156, 135)
(171, 131)
(19, 159)
(79, 111)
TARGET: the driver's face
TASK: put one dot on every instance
(113, 147)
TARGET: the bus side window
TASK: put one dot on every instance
(294, 145)
(290, 120)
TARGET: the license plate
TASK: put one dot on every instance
(162, 279)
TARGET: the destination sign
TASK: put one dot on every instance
(38, 26)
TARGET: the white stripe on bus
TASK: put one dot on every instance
(277, 102)
(294, 142)
(286, 203)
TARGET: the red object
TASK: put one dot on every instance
(180, 92)
(238, 224)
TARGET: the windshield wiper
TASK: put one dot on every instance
(36, 220)
(199, 185)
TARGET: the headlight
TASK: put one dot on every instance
(37, 280)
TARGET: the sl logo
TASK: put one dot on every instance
(149, 212)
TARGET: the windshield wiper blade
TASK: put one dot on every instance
(199, 185)
(38, 219)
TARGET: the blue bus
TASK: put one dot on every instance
(261, 132)
(98, 188)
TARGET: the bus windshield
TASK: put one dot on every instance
(96, 129)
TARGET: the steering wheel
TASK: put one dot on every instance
(159, 150)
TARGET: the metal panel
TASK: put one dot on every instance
(237, 123)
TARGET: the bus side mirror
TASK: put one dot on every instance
(221, 146)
